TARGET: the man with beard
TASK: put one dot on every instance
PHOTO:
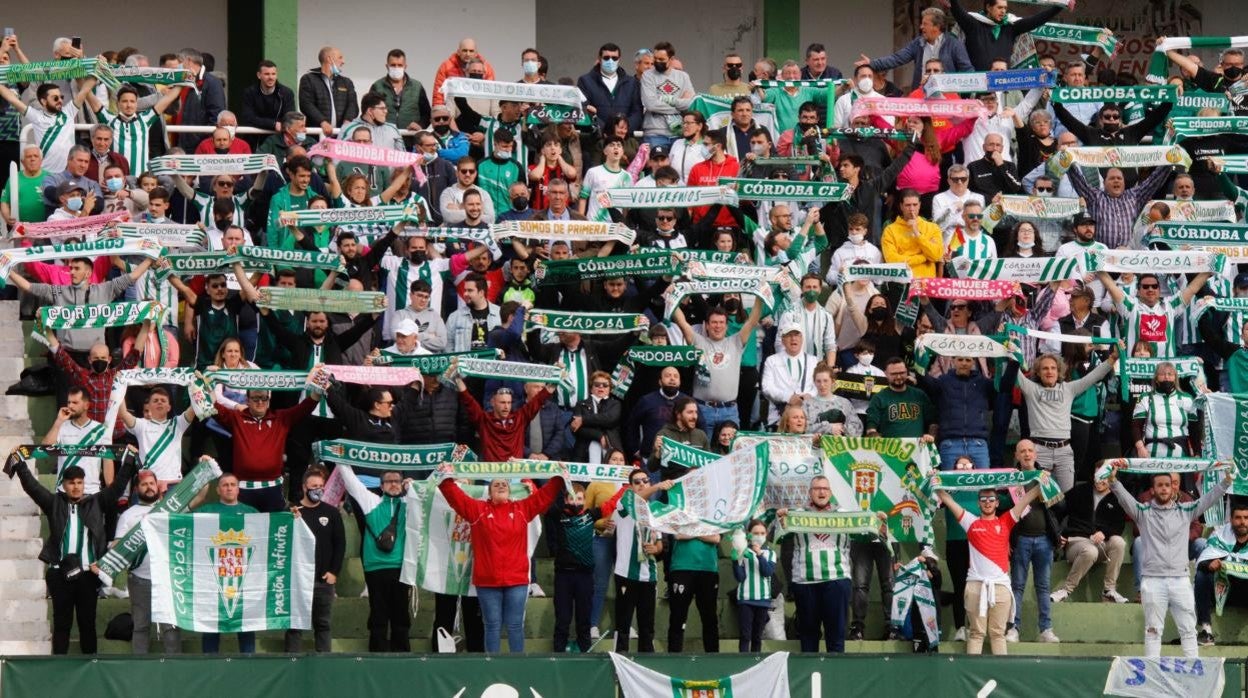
(1116, 207)
(438, 169)
(1110, 129)
(139, 578)
(158, 436)
(652, 411)
(902, 411)
(1227, 543)
(53, 119)
(1163, 525)
(331, 543)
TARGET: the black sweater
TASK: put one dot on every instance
(982, 47)
(1082, 520)
(331, 538)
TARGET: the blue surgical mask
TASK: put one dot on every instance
(114, 184)
(530, 67)
(301, 137)
(334, 70)
(74, 204)
(609, 65)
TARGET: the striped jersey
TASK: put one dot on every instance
(77, 539)
(160, 445)
(818, 329)
(820, 557)
(88, 434)
(597, 181)
(1165, 416)
(756, 587)
(576, 388)
(1154, 324)
(631, 562)
(203, 203)
(978, 247)
(54, 133)
(130, 137)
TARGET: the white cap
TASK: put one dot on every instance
(406, 326)
(792, 327)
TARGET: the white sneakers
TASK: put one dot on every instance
(1059, 596)
(1011, 635)
(1048, 636)
(960, 635)
(593, 633)
(1112, 596)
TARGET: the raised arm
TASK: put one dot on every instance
(1111, 287)
(1032, 495)
(756, 314)
(1194, 287)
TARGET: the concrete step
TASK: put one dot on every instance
(17, 505)
(23, 549)
(19, 527)
(11, 366)
(16, 427)
(31, 631)
(13, 648)
(12, 406)
(22, 612)
(17, 570)
(9, 312)
(25, 590)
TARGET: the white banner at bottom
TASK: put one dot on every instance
(1163, 677)
(766, 679)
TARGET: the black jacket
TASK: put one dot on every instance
(422, 417)
(982, 47)
(595, 424)
(990, 179)
(91, 509)
(865, 199)
(439, 175)
(200, 109)
(1127, 135)
(1082, 520)
(625, 100)
(314, 98)
(263, 111)
(300, 345)
(359, 425)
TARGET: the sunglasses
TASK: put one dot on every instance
(988, 499)
(959, 179)
(734, 65)
(257, 399)
(1110, 117)
(467, 171)
(974, 216)
(216, 285)
(645, 481)
(1148, 286)
(958, 307)
(665, 218)
(441, 119)
(1044, 190)
(600, 384)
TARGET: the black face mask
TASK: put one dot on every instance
(99, 365)
(222, 151)
(571, 509)
(520, 203)
(1110, 126)
(477, 76)
(1165, 387)
(660, 66)
(419, 257)
(442, 129)
(732, 306)
(669, 393)
(733, 73)
(878, 314)
(1233, 73)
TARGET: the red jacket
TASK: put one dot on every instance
(707, 174)
(238, 146)
(450, 68)
(260, 443)
(500, 540)
(502, 439)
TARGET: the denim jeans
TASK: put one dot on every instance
(604, 565)
(711, 417)
(211, 643)
(952, 449)
(503, 606)
(1035, 552)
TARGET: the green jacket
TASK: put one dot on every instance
(410, 105)
(379, 511)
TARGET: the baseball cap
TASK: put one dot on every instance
(1241, 280)
(792, 327)
(406, 326)
(659, 151)
(1083, 218)
(67, 186)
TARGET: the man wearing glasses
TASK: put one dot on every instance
(373, 113)
(972, 242)
(733, 83)
(609, 90)
(994, 173)
(1148, 317)
(259, 438)
(989, 600)
(947, 205)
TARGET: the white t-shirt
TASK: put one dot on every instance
(73, 434)
(168, 462)
(54, 135)
(597, 181)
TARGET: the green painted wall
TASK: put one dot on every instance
(781, 19)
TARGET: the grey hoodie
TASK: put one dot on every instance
(80, 294)
(1164, 529)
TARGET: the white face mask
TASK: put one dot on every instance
(758, 540)
(759, 150)
(232, 130)
(857, 239)
(395, 73)
(866, 359)
(865, 85)
(530, 67)
(1025, 245)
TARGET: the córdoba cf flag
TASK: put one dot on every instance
(227, 573)
(766, 679)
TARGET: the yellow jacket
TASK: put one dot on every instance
(921, 252)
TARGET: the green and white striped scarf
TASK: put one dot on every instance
(1159, 64)
(277, 259)
(588, 472)
(53, 71)
(554, 230)
(1030, 208)
(1183, 127)
(169, 235)
(1155, 261)
(26, 452)
(218, 262)
(212, 165)
(1135, 375)
(1031, 270)
(449, 234)
(830, 522)
(1196, 224)
(509, 371)
(584, 323)
(77, 317)
(887, 134)
(113, 246)
(200, 392)
(1140, 94)
(671, 197)
(897, 272)
(971, 480)
(637, 265)
(376, 456)
(154, 76)
(787, 190)
(131, 547)
(1152, 466)
(759, 289)
(1233, 164)
(321, 300)
(259, 379)
(682, 455)
(396, 213)
(527, 469)
(432, 364)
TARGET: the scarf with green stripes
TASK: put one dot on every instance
(787, 190)
(671, 197)
(1140, 94)
(1183, 127)
(397, 213)
(1030, 208)
(376, 456)
(275, 259)
(218, 262)
(199, 389)
(588, 472)
(682, 455)
(94, 316)
(752, 287)
(625, 370)
(584, 323)
(1152, 466)
(898, 272)
(259, 379)
(1135, 375)
(568, 231)
(1155, 261)
(154, 76)
(169, 235)
(1116, 156)
(54, 71)
(476, 470)
(637, 265)
(1199, 231)
(321, 300)
(866, 132)
(432, 364)
(1030, 270)
(212, 165)
(26, 452)
(450, 234)
(113, 246)
(509, 371)
(131, 546)
(994, 479)
(830, 522)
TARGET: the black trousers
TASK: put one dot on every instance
(322, 610)
(444, 608)
(958, 558)
(691, 587)
(634, 596)
(574, 592)
(751, 620)
(1086, 447)
(388, 619)
(70, 599)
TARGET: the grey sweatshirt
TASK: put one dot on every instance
(662, 116)
(1048, 409)
(1164, 530)
(80, 294)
